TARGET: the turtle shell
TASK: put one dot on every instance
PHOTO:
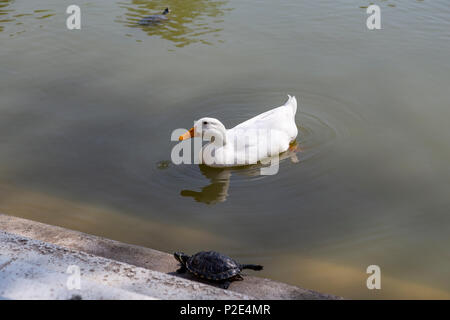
(153, 19)
(213, 265)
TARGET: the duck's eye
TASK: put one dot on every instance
(205, 122)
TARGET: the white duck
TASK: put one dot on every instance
(261, 137)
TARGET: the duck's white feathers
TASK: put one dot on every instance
(281, 118)
(278, 124)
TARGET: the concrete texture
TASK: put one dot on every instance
(32, 269)
(146, 259)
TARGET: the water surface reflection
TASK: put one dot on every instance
(190, 21)
(10, 16)
(217, 190)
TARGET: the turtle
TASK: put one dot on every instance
(213, 266)
(154, 18)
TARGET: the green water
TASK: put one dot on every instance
(86, 117)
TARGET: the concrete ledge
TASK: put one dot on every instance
(32, 269)
(146, 259)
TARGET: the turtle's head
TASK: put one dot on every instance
(166, 11)
(181, 257)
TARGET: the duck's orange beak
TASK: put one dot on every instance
(187, 135)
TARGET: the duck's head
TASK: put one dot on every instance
(166, 11)
(206, 128)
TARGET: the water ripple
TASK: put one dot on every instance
(321, 121)
(189, 21)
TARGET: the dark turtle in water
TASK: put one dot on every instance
(213, 266)
(155, 18)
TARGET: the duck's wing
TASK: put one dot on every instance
(277, 118)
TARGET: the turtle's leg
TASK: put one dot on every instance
(182, 269)
(238, 277)
(225, 284)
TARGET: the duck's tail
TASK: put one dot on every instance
(292, 103)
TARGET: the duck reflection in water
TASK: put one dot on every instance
(217, 190)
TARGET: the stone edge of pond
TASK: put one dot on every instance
(149, 259)
(36, 270)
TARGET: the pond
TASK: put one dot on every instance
(86, 118)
